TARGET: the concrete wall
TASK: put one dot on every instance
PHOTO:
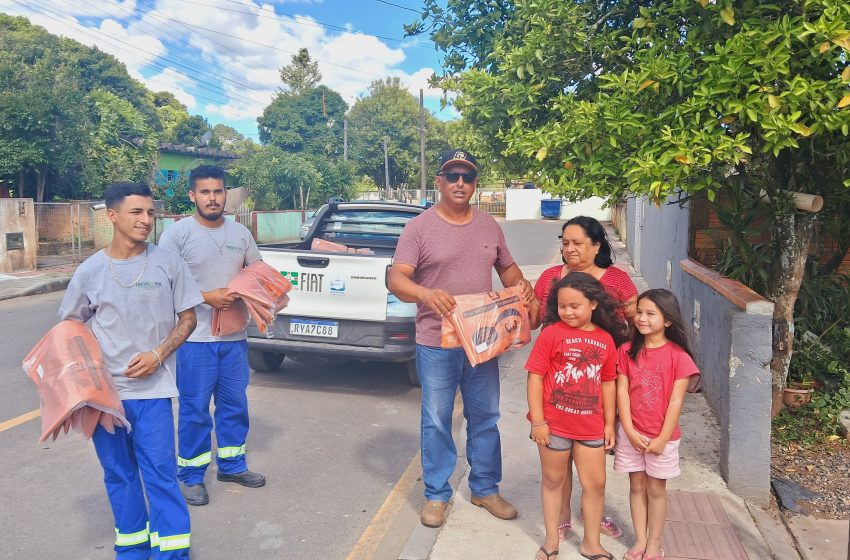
(276, 226)
(524, 204)
(17, 215)
(730, 329)
(267, 226)
(662, 243)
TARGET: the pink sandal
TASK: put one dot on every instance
(562, 530)
(611, 529)
(655, 557)
(633, 555)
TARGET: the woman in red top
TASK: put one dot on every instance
(585, 248)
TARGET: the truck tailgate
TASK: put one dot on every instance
(333, 285)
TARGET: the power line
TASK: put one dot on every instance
(400, 6)
(265, 45)
(298, 20)
(210, 87)
(175, 53)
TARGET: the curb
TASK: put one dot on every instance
(45, 287)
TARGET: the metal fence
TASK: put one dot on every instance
(68, 232)
(490, 198)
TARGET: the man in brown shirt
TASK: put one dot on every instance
(451, 249)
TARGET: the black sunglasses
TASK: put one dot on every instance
(452, 176)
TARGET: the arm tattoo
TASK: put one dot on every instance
(186, 323)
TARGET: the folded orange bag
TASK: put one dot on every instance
(75, 389)
(487, 325)
(263, 291)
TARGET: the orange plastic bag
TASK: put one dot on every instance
(327, 246)
(75, 389)
(263, 291)
(331, 247)
(487, 325)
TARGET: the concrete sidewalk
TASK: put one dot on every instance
(472, 533)
(32, 282)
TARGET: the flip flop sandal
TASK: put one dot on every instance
(633, 555)
(548, 555)
(606, 555)
(563, 528)
(656, 557)
(610, 528)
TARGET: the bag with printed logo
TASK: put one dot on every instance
(487, 325)
(74, 386)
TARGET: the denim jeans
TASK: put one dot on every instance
(441, 372)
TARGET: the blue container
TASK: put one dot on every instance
(550, 209)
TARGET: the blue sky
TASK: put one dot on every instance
(221, 57)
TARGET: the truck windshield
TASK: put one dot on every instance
(365, 227)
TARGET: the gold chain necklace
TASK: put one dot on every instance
(207, 231)
(139, 277)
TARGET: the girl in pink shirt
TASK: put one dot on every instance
(652, 376)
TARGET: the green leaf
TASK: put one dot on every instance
(728, 15)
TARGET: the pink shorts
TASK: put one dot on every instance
(628, 460)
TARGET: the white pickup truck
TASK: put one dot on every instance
(340, 306)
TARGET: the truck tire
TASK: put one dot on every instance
(413, 373)
(264, 361)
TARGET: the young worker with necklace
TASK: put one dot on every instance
(130, 293)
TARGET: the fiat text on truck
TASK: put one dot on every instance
(340, 306)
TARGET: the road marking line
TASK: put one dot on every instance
(19, 420)
(378, 526)
(367, 544)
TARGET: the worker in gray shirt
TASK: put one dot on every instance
(129, 293)
(216, 250)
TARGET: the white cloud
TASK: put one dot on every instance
(173, 81)
(213, 51)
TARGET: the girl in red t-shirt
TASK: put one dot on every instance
(653, 371)
(571, 401)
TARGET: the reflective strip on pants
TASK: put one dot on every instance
(199, 461)
(227, 452)
(131, 539)
(174, 542)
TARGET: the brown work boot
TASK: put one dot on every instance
(434, 513)
(496, 505)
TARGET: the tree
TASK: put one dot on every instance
(310, 122)
(43, 126)
(659, 98)
(300, 75)
(169, 111)
(191, 131)
(277, 180)
(391, 111)
(123, 147)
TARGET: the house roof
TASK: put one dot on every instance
(212, 153)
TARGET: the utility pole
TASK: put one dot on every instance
(422, 186)
(345, 139)
(386, 166)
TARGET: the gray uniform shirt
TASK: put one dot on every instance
(127, 321)
(215, 256)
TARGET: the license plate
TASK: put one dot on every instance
(314, 327)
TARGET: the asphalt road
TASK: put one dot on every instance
(333, 439)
